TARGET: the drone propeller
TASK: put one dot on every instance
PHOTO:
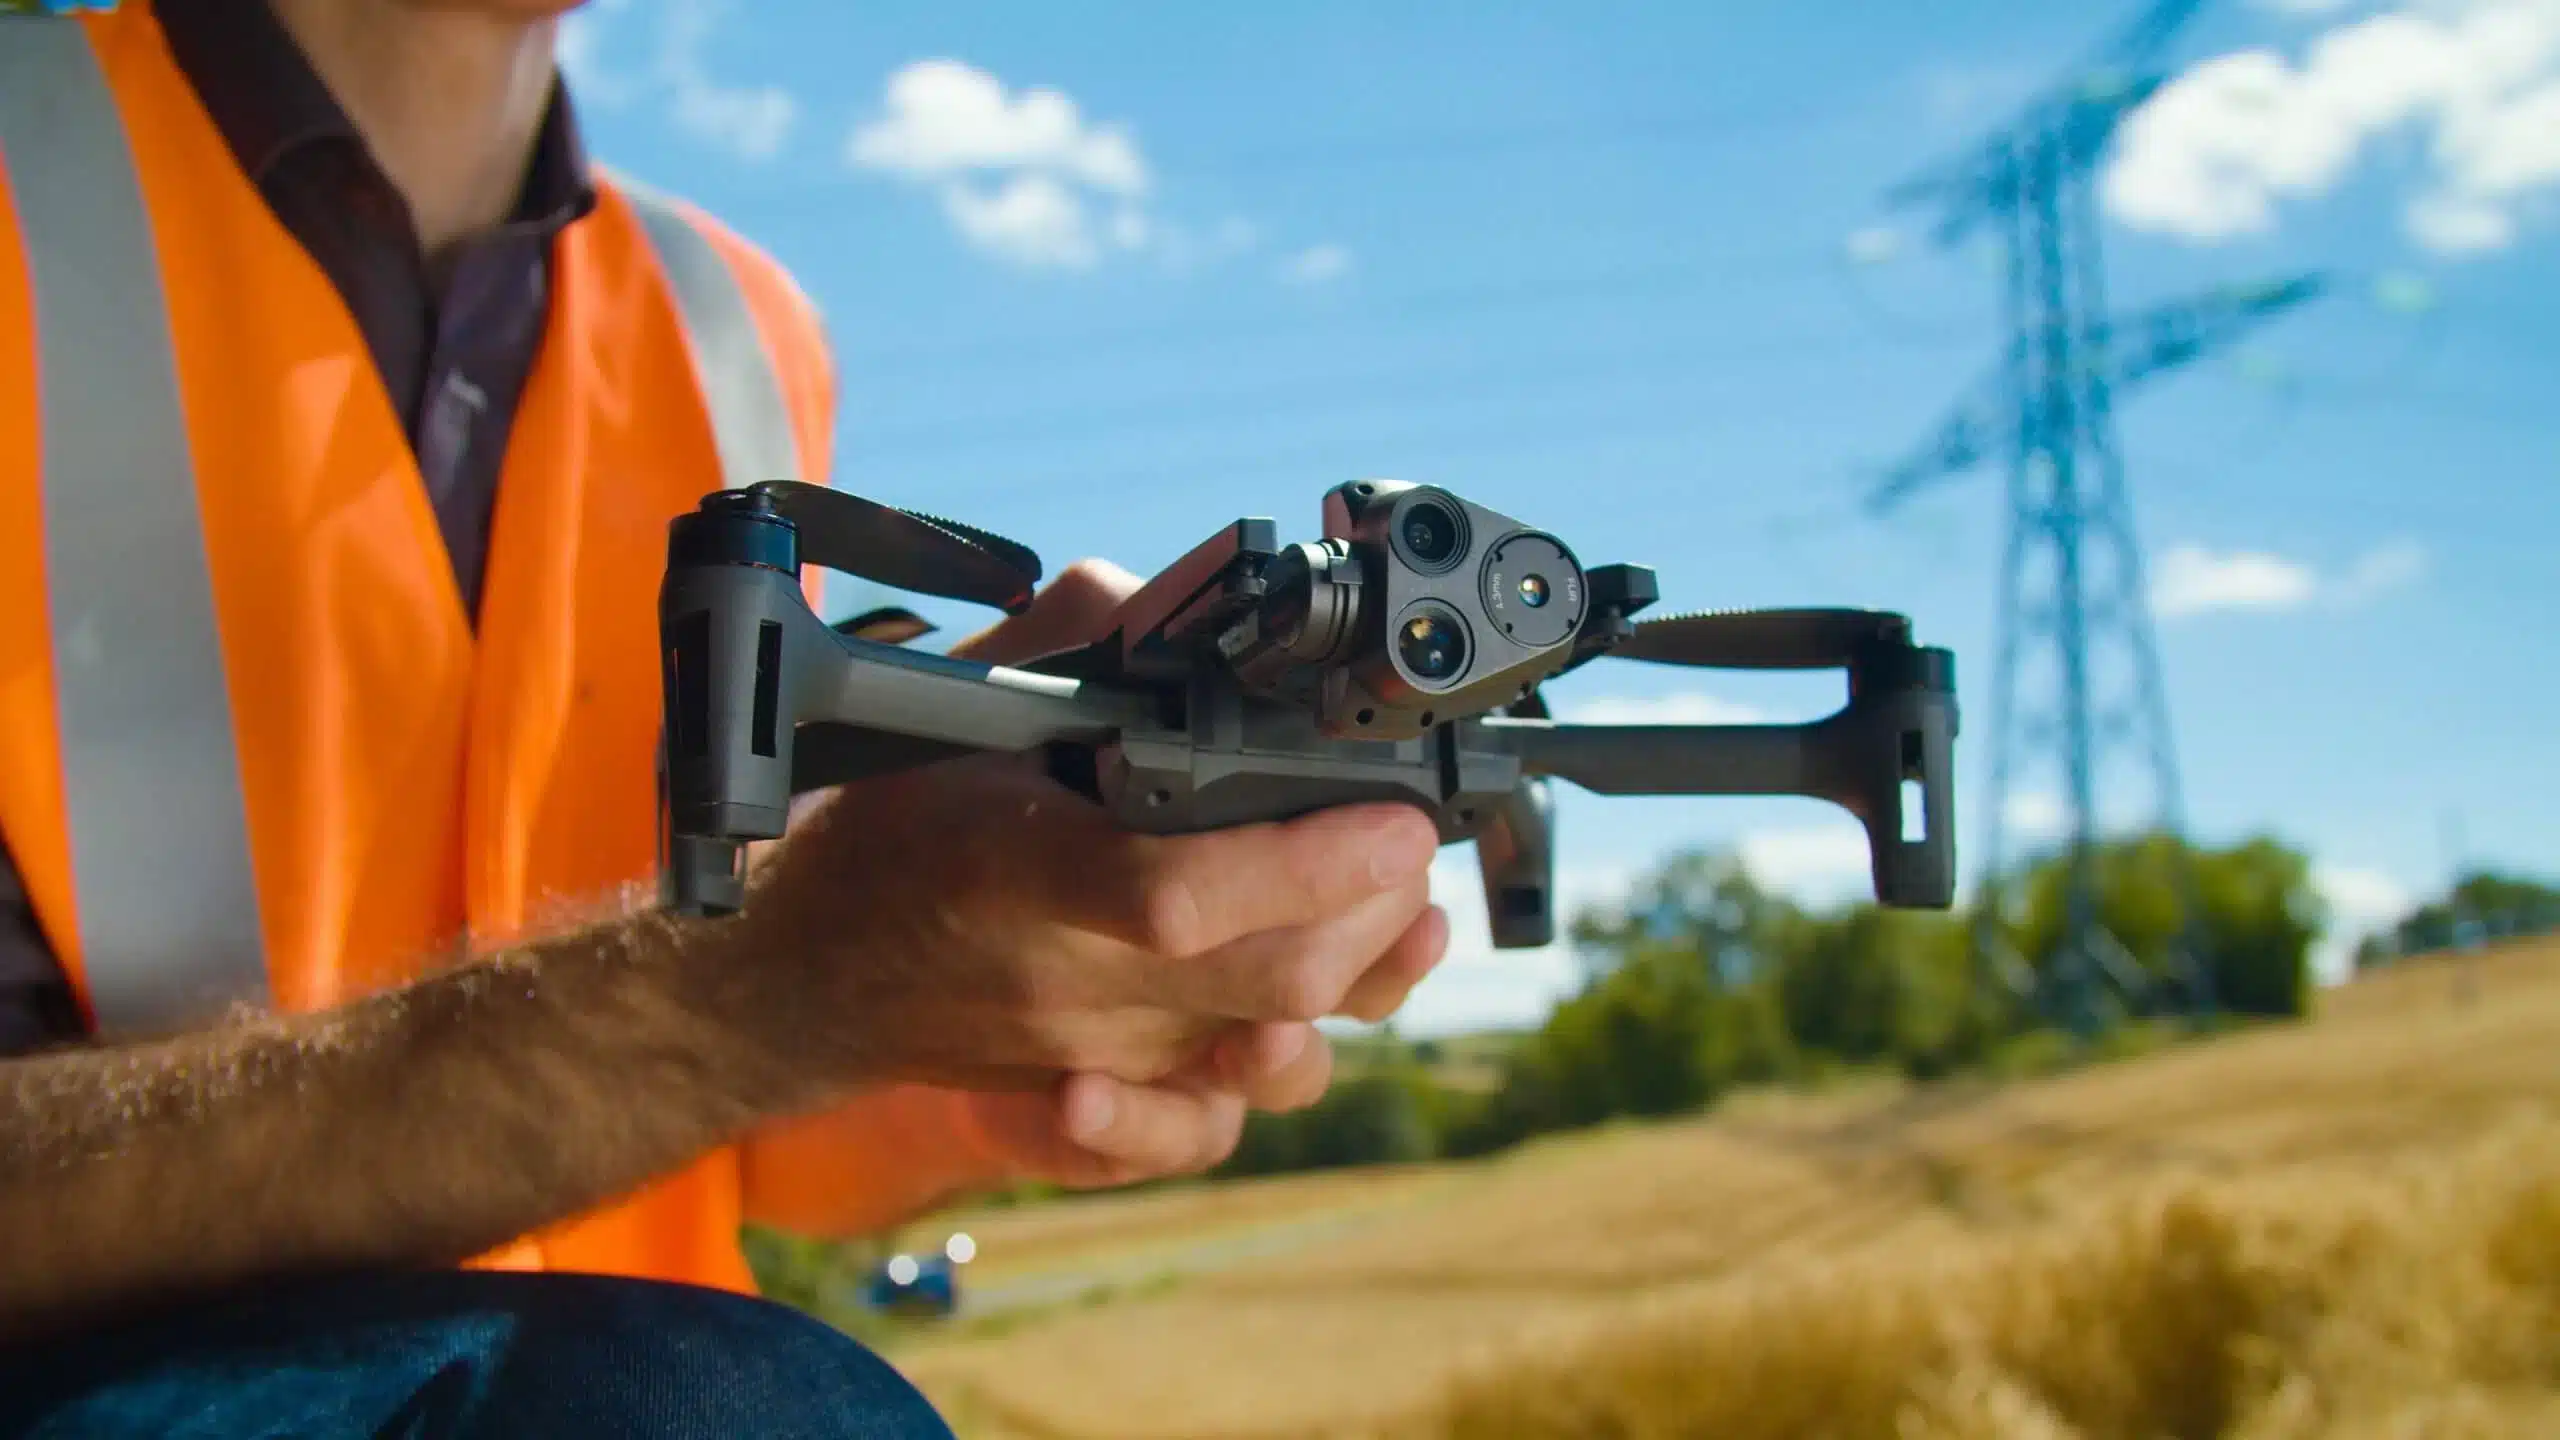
(904, 549)
(1764, 639)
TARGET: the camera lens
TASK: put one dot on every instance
(1432, 645)
(1533, 591)
(1431, 533)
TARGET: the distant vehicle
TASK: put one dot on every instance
(920, 1285)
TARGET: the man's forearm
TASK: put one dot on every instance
(422, 1126)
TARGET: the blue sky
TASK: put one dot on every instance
(1104, 277)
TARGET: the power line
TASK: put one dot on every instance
(1515, 434)
(1718, 125)
(1648, 281)
(1335, 394)
(2523, 414)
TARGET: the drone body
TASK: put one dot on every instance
(1398, 658)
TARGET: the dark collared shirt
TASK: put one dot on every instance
(453, 345)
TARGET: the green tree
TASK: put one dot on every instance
(1870, 985)
(1635, 1042)
(1703, 902)
(1528, 1102)
(2482, 905)
(1389, 1113)
(2259, 916)
(1374, 1119)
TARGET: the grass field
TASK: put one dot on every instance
(2346, 1227)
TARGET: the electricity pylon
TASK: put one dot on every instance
(2071, 577)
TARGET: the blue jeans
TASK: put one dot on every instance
(463, 1355)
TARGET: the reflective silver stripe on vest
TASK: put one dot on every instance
(750, 417)
(160, 862)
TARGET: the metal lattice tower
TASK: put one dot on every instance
(2072, 593)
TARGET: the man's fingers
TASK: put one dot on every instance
(1190, 894)
(1299, 974)
(1143, 1131)
(1247, 1053)
(1381, 990)
(1295, 1083)
(1073, 609)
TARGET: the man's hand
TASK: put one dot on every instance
(976, 927)
(1181, 1110)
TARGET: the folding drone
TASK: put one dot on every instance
(1401, 657)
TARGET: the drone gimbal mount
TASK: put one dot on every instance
(1400, 658)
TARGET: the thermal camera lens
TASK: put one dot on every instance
(1533, 593)
(1431, 645)
(1431, 533)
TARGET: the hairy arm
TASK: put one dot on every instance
(417, 1127)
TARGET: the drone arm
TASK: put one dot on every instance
(748, 665)
(1887, 761)
(964, 704)
(1668, 759)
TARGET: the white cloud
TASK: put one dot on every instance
(2035, 814)
(1813, 864)
(2452, 225)
(1187, 247)
(1684, 707)
(2209, 157)
(2193, 580)
(943, 118)
(751, 122)
(2360, 902)
(1030, 219)
(1027, 177)
(2378, 571)
(1316, 265)
(1023, 176)
(1874, 245)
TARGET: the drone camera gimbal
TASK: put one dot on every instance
(1402, 656)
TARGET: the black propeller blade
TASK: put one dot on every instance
(900, 548)
(1764, 639)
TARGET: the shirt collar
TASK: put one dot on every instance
(273, 108)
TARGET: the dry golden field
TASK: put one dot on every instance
(2348, 1227)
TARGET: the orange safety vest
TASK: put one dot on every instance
(254, 749)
